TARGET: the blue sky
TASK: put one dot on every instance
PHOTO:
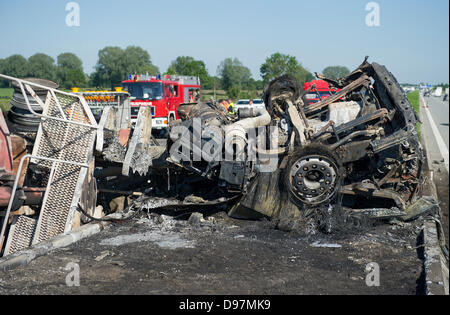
(412, 39)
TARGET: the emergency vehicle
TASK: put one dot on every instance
(163, 93)
(321, 92)
(98, 100)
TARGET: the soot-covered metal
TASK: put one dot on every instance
(355, 155)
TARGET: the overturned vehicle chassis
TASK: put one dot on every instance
(355, 154)
(350, 157)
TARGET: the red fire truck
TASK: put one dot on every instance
(163, 93)
(321, 92)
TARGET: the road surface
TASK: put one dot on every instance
(158, 255)
(439, 111)
(435, 135)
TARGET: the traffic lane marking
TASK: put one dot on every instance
(437, 135)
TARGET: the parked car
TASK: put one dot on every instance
(246, 104)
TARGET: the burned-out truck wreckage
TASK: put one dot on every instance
(352, 157)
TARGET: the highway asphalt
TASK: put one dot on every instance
(439, 111)
(435, 135)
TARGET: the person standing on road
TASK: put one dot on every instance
(231, 106)
(224, 105)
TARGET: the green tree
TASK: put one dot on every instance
(75, 77)
(42, 66)
(137, 60)
(94, 80)
(3, 83)
(233, 74)
(279, 64)
(185, 65)
(259, 85)
(443, 85)
(234, 92)
(70, 71)
(109, 68)
(114, 64)
(69, 61)
(336, 72)
(251, 88)
(214, 83)
(14, 66)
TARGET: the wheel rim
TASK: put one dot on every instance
(313, 178)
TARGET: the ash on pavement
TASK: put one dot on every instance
(220, 255)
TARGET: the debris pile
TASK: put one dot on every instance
(355, 154)
(59, 167)
(350, 157)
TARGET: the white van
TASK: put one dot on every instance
(257, 103)
(438, 91)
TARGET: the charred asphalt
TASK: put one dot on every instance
(156, 254)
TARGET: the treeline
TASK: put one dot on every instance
(114, 63)
(67, 71)
(442, 85)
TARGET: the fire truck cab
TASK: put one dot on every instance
(163, 93)
(321, 91)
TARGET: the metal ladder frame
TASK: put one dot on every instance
(23, 84)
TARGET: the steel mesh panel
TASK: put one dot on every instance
(20, 234)
(55, 212)
(63, 141)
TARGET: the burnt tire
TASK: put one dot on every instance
(24, 117)
(15, 126)
(19, 101)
